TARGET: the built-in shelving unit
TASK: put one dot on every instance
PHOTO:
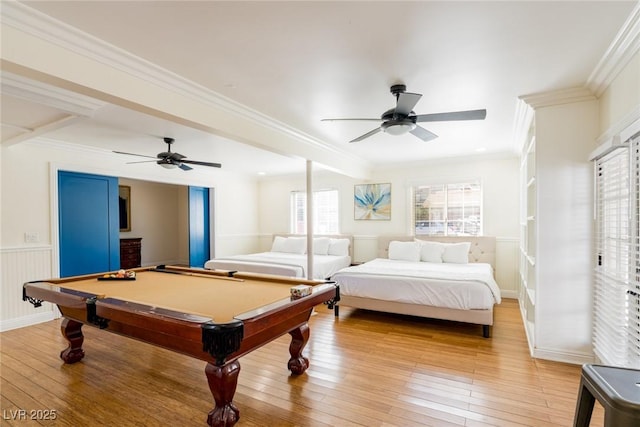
(556, 134)
(528, 232)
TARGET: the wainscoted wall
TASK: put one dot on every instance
(20, 265)
(507, 267)
(365, 248)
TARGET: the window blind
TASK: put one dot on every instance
(325, 212)
(616, 332)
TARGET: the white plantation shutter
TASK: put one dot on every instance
(616, 334)
(325, 215)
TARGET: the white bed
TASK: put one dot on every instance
(288, 257)
(462, 288)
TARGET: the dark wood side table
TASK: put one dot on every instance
(130, 252)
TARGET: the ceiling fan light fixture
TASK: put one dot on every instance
(400, 128)
(168, 165)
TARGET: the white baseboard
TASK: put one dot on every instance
(560, 356)
(508, 293)
(32, 319)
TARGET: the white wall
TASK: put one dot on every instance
(28, 198)
(564, 260)
(237, 216)
(499, 177)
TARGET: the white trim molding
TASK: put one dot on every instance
(521, 124)
(558, 97)
(51, 96)
(620, 52)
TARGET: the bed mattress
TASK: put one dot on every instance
(281, 263)
(459, 286)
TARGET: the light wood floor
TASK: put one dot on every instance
(367, 369)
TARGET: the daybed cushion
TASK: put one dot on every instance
(321, 245)
(457, 253)
(339, 247)
(431, 251)
(291, 245)
(404, 251)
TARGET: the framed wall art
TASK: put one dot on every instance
(124, 201)
(372, 202)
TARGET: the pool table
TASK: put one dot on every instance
(215, 316)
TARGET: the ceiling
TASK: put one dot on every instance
(300, 62)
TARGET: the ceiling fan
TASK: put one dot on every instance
(170, 160)
(402, 119)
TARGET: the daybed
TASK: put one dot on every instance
(450, 278)
(288, 257)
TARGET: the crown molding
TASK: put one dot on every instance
(558, 97)
(57, 144)
(51, 96)
(522, 123)
(40, 130)
(625, 45)
(33, 22)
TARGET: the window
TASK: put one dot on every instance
(616, 331)
(448, 209)
(325, 212)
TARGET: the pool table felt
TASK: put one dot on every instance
(219, 298)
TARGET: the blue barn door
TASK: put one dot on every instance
(89, 223)
(199, 237)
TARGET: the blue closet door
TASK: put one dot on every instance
(199, 239)
(88, 219)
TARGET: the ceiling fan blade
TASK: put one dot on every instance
(338, 120)
(366, 135)
(455, 115)
(142, 161)
(406, 102)
(196, 162)
(423, 134)
(133, 154)
(184, 167)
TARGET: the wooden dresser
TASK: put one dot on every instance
(130, 252)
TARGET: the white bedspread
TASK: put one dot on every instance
(461, 286)
(281, 263)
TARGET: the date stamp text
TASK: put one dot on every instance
(29, 414)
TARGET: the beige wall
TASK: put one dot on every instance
(156, 218)
(621, 100)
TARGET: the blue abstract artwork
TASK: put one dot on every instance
(372, 201)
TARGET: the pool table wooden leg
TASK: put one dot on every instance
(299, 338)
(72, 332)
(222, 383)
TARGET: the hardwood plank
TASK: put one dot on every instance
(367, 368)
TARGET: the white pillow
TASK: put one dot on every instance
(431, 251)
(457, 253)
(338, 247)
(321, 245)
(292, 245)
(278, 244)
(404, 251)
(295, 245)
